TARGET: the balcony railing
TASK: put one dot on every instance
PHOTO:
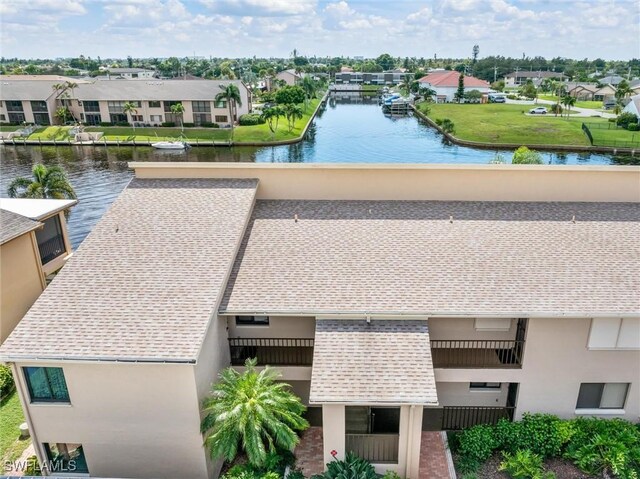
(376, 448)
(272, 351)
(462, 417)
(51, 248)
(454, 353)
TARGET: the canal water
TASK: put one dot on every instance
(349, 129)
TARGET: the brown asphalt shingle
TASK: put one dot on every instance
(384, 361)
(13, 225)
(446, 258)
(146, 281)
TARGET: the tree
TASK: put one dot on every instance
(568, 101)
(62, 113)
(130, 109)
(130, 61)
(528, 90)
(46, 182)
(385, 61)
(231, 95)
(459, 95)
(409, 84)
(309, 86)
(525, 156)
(474, 54)
(557, 109)
(498, 85)
(272, 117)
(623, 90)
(253, 412)
(290, 94)
(177, 109)
(292, 112)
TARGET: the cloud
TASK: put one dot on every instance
(261, 7)
(340, 16)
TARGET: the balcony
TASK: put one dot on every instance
(455, 353)
(375, 448)
(272, 351)
(52, 248)
(463, 417)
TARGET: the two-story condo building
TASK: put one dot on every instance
(34, 245)
(370, 78)
(393, 299)
(98, 102)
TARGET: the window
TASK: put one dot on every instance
(602, 395)
(614, 333)
(65, 457)
(14, 105)
(136, 117)
(221, 104)
(2, 118)
(116, 106)
(91, 105)
(40, 106)
(169, 104)
(201, 106)
(154, 104)
(137, 104)
(252, 320)
(221, 119)
(156, 118)
(485, 385)
(200, 118)
(46, 384)
(50, 240)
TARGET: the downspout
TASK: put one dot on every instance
(22, 395)
(407, 467)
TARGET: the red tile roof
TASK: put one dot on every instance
(450, 78)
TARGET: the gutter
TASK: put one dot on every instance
(89, 360)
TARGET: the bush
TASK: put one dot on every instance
(524, 465)
(274, 467)
(188, 125)
(446, 124)
(168, 124)
(209, 125)
(525, 156)
(391, 475)
(353, 467)
(475, 445)
(250, 119)
(542, 434)
(6, 380)
(624, 119)
(633, 127)
(33, 467)
(295, 474)
(105, 123)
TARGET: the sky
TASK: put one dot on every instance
(608, 29)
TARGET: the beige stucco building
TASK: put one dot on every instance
(95, 102)
(33, 247)
(393, 299)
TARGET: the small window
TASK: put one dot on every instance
(485, 385)
(602, 395)
(138, 104)
(46, 384)
(65, 457)
(154, 104)
(220, 104)
(252, 320)
(2, 118)
(221, 119)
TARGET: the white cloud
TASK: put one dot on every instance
(262, 7)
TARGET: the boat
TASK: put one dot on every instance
(170, 145)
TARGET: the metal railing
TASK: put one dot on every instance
(51, 249)
(463, 353)
(272, 351)
(462, 417)
(376, 448)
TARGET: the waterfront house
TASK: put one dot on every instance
(34, 245)
(445, 84)
(521, 77)
(290, 76)
(604, 93)
(392, 298)
(95, 102)
(369, 78)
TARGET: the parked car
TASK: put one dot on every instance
(497, 99)
(539, 110)
(609, 104)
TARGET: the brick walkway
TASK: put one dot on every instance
(309, 453)
(433, 459)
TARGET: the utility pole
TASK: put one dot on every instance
(495, 73)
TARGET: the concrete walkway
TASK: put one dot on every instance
(309, 454)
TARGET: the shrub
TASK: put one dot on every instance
(188, 125)
(33, 467)
(352, 467)
(475, 446)
(295, 474)
(168, 124)
(105, 123)
(524, 465)
(249, 119)
(6, 380)
(391, 475)
(624, 119)
(122, 123)
(633, 127)
(541, 434)
(446, 124)
(525, 156)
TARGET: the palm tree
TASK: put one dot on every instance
(177, 109)
(310, 87)
(61, 113)
(47, 182)
(130, 109)
(272, 116)
(568, 101)
(230, 94)
(409, 85)
(253, 412)
(293, 112)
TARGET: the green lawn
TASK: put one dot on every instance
(261, 133)
(60, 133)
(614, 137)
(594, 105)
(9, 127)
(11, 447)
(504, 123)
(124, 133)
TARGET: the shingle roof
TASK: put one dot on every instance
(13, 225)
(536, 74)
(494, 258)
(145, 282)
(384, 361)
(450, 79)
